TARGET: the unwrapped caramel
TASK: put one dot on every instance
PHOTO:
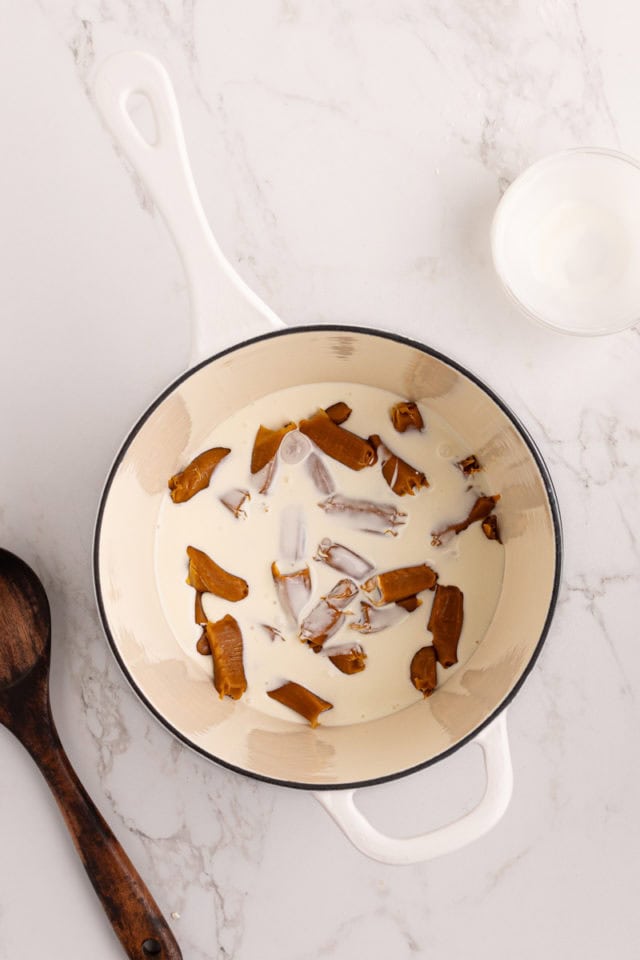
(340, 444)
(469, 465)
(225, 641)
(399, 584)
(303, 701)
(197, 475)
(400, 475)
(423, 671)
(266, 445)
(490, 528)
(338, 412)
(206, 576)
(406, 416)
(349, 661)
(445, 623)
(481, 509)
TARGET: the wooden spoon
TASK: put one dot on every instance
(25, 647)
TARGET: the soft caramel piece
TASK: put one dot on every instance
(266, 445)
(406, 416)
(409, 603)
(479, 511)
(302, 700)
(202, 646)
(400, 475)
(399, 584)
(423, 671)
(200, 615)
(490, 528)
(293, 589)
(340, 444)
(469, 465)
(445, 623)
(197, 475)
(206, 576)
(225, 641)
(338, 412)
(349, 661)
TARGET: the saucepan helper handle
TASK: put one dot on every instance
(394, 850)
(224, 309)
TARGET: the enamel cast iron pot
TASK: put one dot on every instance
(331, 761)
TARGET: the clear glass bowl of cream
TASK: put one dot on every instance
(565, 240)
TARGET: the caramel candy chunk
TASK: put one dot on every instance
(234, 500)
(266, 445)
(202, 646)
(406, 416)
(349, 660)
(469, 465)
(365, 514)
(423, 671)
(338, 412)
(302, 700)
(445, 623)
(340, 444)
(479, 511)
(327, 617)
(400, 475)
(197, 475)
(343, 559)
(409, 603)
(205, 575)
(293, 589)
(200, 615)
(399, 584)
(225, 641)
(490, 528)
(376, 619)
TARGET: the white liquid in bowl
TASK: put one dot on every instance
(248, 546)
(566, 241)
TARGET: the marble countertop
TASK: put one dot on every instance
(349, 157)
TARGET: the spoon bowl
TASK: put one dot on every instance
(25, 620)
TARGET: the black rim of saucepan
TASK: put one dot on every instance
(336, 330)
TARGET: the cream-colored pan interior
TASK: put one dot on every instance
(233, 733)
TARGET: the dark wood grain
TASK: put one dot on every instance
(26, 711)
(24, 618)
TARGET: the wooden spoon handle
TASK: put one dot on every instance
(134, 914)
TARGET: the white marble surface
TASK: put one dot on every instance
(349, 157)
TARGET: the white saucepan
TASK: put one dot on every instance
(331, 761)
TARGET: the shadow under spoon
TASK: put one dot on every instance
(25, 647)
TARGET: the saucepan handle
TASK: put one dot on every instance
(224, 309)
(395, 850)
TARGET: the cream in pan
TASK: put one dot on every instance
(287, 525)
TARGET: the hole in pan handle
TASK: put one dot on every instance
(395, 850)
(224, 310)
